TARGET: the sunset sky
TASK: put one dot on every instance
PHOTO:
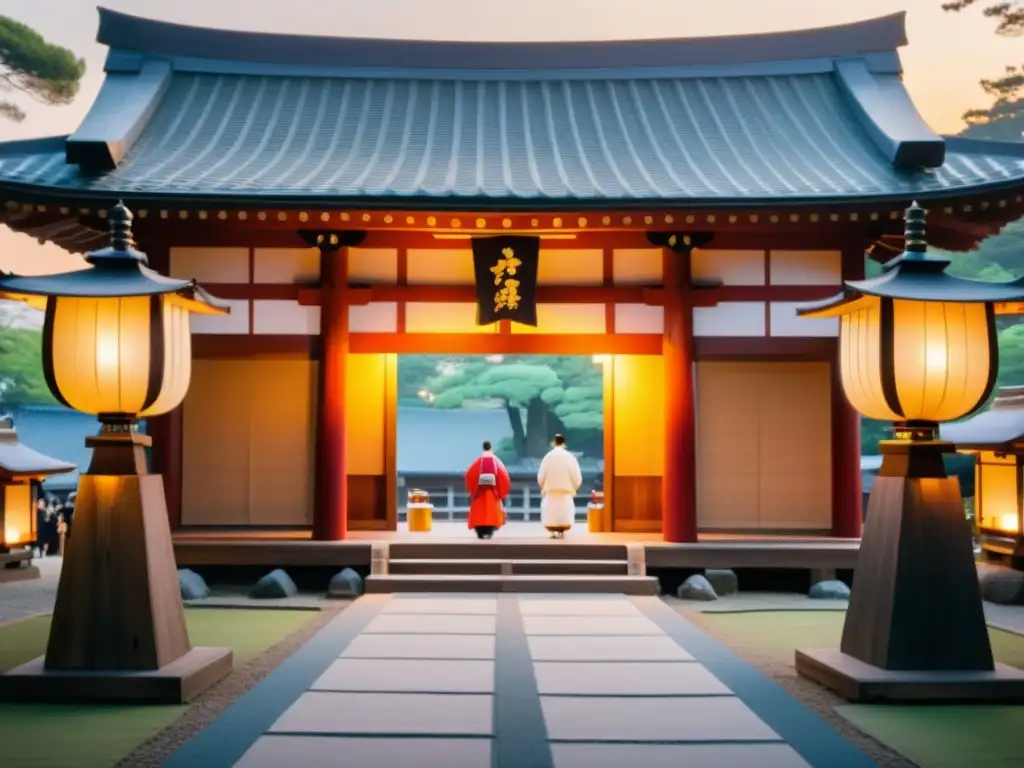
(947, 56)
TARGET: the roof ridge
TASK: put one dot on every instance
(122, 31)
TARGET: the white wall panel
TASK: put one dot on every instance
(286, 317)
(235, 323)
(286, 265)
(211, 265)
(730, 318)
(375, 317)
(639, 318)
(730, 267)
(806, 268)
(784, 321)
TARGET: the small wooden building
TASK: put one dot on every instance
(995, 438)
(687, 194)
(19, 466)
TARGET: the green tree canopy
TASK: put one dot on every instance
(21, 368)
(541, 394)
(46, 72)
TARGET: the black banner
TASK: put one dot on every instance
(506, 279)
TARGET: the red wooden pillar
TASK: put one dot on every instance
(847, 489)
(679, 481)
(330, 512)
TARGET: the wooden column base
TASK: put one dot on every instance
(915, 614)
(118, 614)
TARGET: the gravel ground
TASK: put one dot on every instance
(22, 599)
(817, 699)
(212, 703)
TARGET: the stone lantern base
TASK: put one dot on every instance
(118, 631)
(915, 629)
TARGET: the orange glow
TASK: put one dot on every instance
(997, 479)
(11, 536)
(17, 515)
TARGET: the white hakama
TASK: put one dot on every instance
(557, 510)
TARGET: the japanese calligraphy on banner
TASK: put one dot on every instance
(506, 279)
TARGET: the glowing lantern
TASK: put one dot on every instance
(116, 344)
(917, 346)
(996, 438)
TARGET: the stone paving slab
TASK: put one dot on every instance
(432, 624)
(676, 756)
(639, 648)
(563, 607)
(590, 625)
(685, 678)
(435, 714)
(405, 604)
(593, 718)
(326, 752)
(408, 675)
(421, 647)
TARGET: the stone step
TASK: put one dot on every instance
(484, 566)
(495, 549)
(567, 584)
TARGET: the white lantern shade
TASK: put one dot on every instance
(905, 360)
(118, 355)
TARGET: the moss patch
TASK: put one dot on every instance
(88, 736)
(931, 736)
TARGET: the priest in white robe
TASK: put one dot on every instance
(559, 479)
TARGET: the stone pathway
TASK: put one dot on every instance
(516, 681)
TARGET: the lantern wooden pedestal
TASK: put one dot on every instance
(915, 628)
(419, 512)
(118, 630)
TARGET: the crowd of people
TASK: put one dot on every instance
(52, 519)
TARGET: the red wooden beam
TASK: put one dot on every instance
(309, 295)
(507, 343)
(765, 348)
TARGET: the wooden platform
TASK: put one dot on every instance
(518, 541)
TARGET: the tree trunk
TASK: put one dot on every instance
(537, 437)
(515, 419)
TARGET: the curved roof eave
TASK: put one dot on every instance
(131, 33)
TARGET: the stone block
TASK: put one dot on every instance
(830, 590)
(192, 585)
(345, 584)
(275, 584)
(723, 581)
(697, 587)
(1001, 585)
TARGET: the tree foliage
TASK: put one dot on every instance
(1005, 116)
(48, 73)
(21, 368)
(542, 395)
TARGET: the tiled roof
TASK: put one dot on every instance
(630, 128)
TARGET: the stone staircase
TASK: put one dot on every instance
(502, 566)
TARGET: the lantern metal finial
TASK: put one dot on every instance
(121, 252)
(914, 231)
(121, 227)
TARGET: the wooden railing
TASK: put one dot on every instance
(451, 502)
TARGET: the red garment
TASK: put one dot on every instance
(485, 506)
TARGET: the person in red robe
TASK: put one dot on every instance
(488, 484)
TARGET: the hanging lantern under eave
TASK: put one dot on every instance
(116, 339)
(917, 344)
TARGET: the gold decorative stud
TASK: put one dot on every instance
(303, 216)
(984, 204)
(142, 212)
(344, 216)
(182, 214)
(506, 223)
(711, 219)
(732, 219)
(164, 214)
(262, 215)
(222, 215)
(690, 219)
(388, 218)
(794, 217)
(669, 218)
(1002, 203)
(202, 215)
(556, 222)
(968, 208)
(325, 217)
(627, 220)
(534, 222)
(815, 217)
(754, 218)
(410, 220)
(774, 219)
(281, 216)
(41, 208)
(456, 223)
(854, 216)
(102, 213)
(581, 222)
(431, 221)
(648, 220)
(243, 215)
(874, 216)
(894, 215)
(606, 220)
(481, 223)
(833, 217)
(366, 217)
